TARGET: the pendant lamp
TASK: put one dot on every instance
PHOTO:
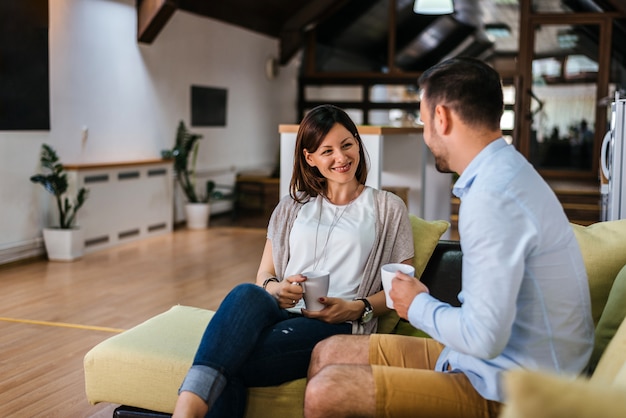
(433, 7)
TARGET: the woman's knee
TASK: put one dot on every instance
(246, 288)
(246, 292)
(250, 299)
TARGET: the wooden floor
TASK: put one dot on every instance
(52, 313)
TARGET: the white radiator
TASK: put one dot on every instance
(126, 202)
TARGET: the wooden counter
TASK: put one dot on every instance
(116, 164)
(366, 129)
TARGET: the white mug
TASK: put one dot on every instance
(388, 272)
(314, 287)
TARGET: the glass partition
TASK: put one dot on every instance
(564, 89)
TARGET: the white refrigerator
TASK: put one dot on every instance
(613, 163)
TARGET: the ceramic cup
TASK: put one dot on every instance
(315, 287)
(388, 272)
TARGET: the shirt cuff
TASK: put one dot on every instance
(417, 309)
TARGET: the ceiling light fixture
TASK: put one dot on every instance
(433, 7)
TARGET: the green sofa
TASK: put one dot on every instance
(142, 368)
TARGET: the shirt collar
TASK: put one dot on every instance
(464, 182)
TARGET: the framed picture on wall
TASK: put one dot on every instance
(208, 106)
(24, 68)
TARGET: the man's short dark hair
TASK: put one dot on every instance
(468, 86)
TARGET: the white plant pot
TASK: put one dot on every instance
(197, 215)
(64, 244)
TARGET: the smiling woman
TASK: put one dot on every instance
(329, 142)
(336, 159)
(268, 325)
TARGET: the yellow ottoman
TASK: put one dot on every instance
(144, 367)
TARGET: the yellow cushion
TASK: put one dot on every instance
(612, 360)
(539, 395)
(620, 377)
(426, 235)
(144, 367)
(603, 246)
(283, 401)
(612, 316)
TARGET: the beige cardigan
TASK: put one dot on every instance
(393, 242)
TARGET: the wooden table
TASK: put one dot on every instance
(257, 194)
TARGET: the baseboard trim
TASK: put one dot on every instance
(19, 251)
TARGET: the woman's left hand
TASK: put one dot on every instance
(336, 310)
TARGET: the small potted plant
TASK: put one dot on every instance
(185, 154)
(64, 242)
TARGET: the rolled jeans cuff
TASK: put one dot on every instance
(205, 382)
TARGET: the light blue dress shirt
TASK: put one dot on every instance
(525, 296)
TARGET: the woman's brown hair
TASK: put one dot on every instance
(307, 181)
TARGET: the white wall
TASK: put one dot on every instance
(131, 96)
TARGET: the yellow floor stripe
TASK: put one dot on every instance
(63, 324)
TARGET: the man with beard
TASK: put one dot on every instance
(524, 297)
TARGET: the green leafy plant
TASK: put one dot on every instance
(55, 181)
(185, 154)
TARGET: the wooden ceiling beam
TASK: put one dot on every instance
(152, 15)
(619, 5)
(293, 31)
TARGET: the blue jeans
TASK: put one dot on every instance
(250, 341)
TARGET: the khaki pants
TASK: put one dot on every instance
(408, 386)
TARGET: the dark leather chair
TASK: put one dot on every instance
(443, 272)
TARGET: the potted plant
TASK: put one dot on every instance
(185, 154)
(64, 242)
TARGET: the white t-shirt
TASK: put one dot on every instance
(345, 236)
